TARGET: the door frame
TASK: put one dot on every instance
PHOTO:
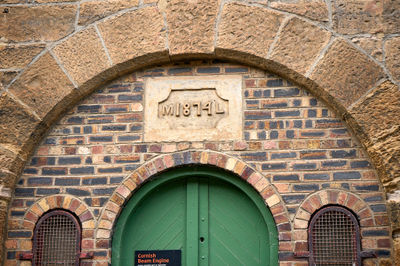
(189, 171)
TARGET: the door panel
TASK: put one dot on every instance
(213, 222)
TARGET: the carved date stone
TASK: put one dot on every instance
(193, 108)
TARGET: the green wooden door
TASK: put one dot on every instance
(212, 217)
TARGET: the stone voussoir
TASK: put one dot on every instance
(17, 124)
(312, 9)
(377, 118)
(138, 33)
(94, 10)
(191, 26)
(299, 45)
(43, 86)
(38, 23)
(247, 29)
(83, 56)
(342, 81)
(392, 57)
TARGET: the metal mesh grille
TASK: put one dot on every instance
(56, 241)
(334, 239)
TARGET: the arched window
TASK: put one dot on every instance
(334, 237)
(56, 240)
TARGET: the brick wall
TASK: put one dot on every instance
(290, 136)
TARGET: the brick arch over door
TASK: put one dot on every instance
(161, 163)
(352, 83)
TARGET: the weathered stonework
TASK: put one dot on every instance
(94, 10)
(86, 48)
(149, 37)
(315, 9)
(392, 57)
(37, 90)
(302, 41)
(345, 82)
(293, 148)
(37, 23)
(248, 29)
(377, 115)
(18, 56)
(41, 23)
(191, 25)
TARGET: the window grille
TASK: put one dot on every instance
(56, 240)
(334, 237)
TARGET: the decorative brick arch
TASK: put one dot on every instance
(331, 67)
(327, 197)
(65, 202)
(163, 162)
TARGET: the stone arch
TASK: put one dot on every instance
(163, 162)
(81, 62)
(76, 65)
(66, 202)
(326, 197)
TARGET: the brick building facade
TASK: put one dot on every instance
(320, 107)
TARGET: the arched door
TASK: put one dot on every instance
(212, 217)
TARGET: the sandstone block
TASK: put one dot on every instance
(42, 86)
(83, 55)
(392, 57)
(247, 29)
(191, 25)
(8, 178)
(6, 77)
(357, 16)
(314, 9)
(346, 82)
(299, 45)
(95, 10)
(37, 23)
(137, 33)
(18, 56)
(371, 45)
(378, 117)
(391, 16)
(16, 122)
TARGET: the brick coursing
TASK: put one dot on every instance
(290, 137)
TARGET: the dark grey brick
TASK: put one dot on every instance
(304, 166)
(343, 154)
(77, 192)
(95, 181)
(290, 177)
(283, 155)
(378, 208)
(82, 170)
(19, 234)
(286, 92)
(375, 233)
(110, 170)
(306, 187)
(316, 176)
(40, 181)
(293, 199)
(24, 192)
(67, 181)
(47, 191)
(294, 113)
(208, 70)
(346, 175)
(273, 166)
(69, 160)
